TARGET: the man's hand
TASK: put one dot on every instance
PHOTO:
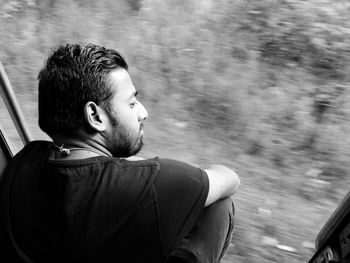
(223, 182)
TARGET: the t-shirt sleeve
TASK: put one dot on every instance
(181, 191)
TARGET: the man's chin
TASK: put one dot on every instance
(136, 149)
(130, 150)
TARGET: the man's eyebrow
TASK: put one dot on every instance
(134, 94)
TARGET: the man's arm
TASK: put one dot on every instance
(223, 182)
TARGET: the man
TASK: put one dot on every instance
(79, 199)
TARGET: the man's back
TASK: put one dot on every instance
(97, 209)
(75, 199)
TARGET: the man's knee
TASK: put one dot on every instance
(210, 240)
(218, 218)
(223, 209)
(228, 206)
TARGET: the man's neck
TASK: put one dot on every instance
(67, 147)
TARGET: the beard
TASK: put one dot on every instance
(125, 142)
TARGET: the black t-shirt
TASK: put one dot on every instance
(97, 209)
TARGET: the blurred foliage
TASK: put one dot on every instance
(261, 83)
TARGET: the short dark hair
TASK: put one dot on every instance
(72, 76)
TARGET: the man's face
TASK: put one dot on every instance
(127, 115)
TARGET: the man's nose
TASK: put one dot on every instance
(143, 114)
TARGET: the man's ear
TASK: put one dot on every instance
(93, 115)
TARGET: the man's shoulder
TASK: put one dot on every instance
(124, 163)
(32, 150)
(163, 164)
(129, 171)
(36, 145)
(175, 170)
(175, 165)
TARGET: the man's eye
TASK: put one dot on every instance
(132, 105)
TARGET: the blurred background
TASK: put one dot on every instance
(259, 86)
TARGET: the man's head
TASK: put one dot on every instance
(80, 89)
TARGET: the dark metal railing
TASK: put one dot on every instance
(12, 105)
